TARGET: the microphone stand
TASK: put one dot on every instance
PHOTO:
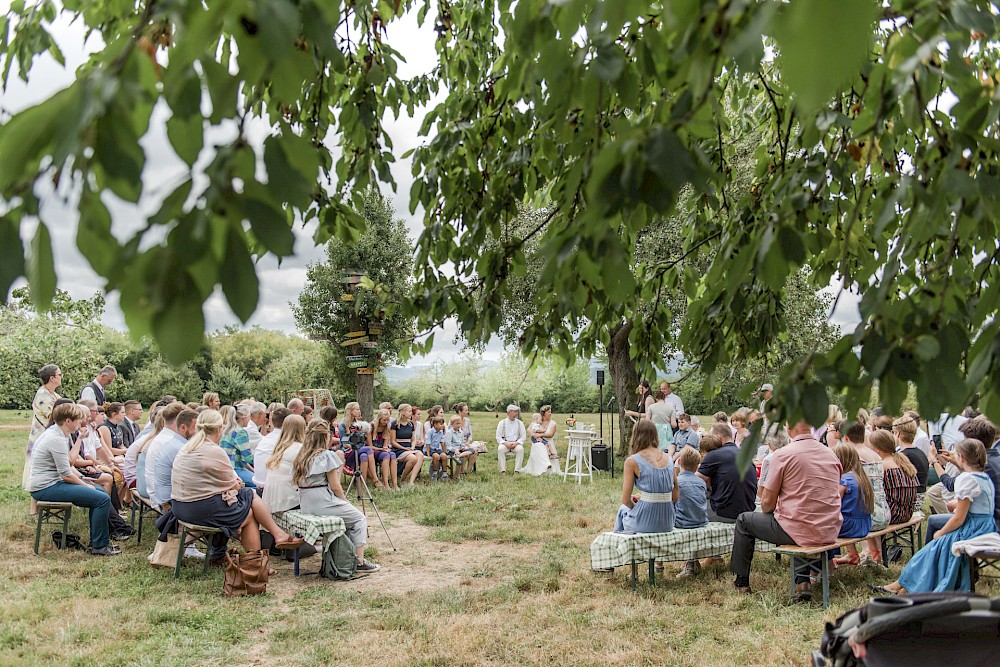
(611, 402)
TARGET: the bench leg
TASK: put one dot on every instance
(884, 542)
(208, 550)
(65, 517)
(652, 570)
(142, 513)
(825, 576)
(38, 530)
(973, 572)
(180, 552)
(295, 561)
(634, 569)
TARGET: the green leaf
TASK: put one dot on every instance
(41, 269)
(223, 88)
(186, 136)
(822, 44)
(608, 64)
(278, 22)
(93, 235)
(180, 327)
(815, 403)
(239, 279)
(11, 253)
(269, 227)
(25, 137)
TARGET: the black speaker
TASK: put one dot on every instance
(600, 458)
(600, 378)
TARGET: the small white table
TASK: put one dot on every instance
(578, 462)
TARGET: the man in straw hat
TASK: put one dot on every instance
(510, 439)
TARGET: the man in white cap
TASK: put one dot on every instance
(510, 439)
(766, 392)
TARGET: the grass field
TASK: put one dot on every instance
(489, 571)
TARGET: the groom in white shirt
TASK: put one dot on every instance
(510, 439)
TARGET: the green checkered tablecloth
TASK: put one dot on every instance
(311, 527)
(612, 550)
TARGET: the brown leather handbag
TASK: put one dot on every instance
(246, 574)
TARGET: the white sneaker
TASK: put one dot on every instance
(192, 552)
(444, 475)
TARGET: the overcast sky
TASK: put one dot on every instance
(278, 285)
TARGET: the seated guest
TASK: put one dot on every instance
(110, 431)
(297, 407)
(211, 400)
(316, 472)
(53, 479)
(140, 447)
(853, 435)
(857, 497)
(258, 412)
(436, 449)
(378, 440)
(691, 509)
(351, 433)
(800, 505)
(650, 471)
(899, 477)
(130, 425)
(236, 441)
(777, 437)
(685, 435)
(905, 430)
(266, 445)
(731, 491)
(738, 422)
(934, 568)
(510, 439)
(178, 431)
(455, 446)
(981, 429)
(206, 491)
(921, 440)
(401, 441)
(281, 494)
(165, 434)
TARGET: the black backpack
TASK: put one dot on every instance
(339, 561)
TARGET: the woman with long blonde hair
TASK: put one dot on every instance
(402, 442)
(280, 492)
(378, 440)
(206, 491)
(317, 473)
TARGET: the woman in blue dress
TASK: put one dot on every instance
(650, 471)
(934, 568)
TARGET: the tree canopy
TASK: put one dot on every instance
(876, 167)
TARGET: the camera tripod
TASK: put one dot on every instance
(361, 498)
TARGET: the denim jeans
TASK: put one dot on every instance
(82, 495)
(936, 522)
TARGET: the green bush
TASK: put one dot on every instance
(157, 378)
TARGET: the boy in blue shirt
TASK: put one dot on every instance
(691, 510)
(455, 447)
(435, 449)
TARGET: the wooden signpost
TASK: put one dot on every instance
(366, 371)
(371, 345)
(353, 341)
(357, 361)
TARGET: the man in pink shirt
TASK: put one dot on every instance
(800, 500)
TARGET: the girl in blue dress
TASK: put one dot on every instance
(651, 472)
(857, 497)
(934, 568)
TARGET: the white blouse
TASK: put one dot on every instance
(966, 487)
(280, 492)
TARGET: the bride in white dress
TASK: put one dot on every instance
(543, 457)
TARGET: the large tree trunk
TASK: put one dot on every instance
(365, 388)
(624, 379)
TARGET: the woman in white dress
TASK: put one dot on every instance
(543, 457)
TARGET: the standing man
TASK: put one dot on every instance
(766, 392)
(674, 400)
(800, 504)
(95, 390)
(129, 426)
(510, 439)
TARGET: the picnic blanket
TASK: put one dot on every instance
(612, 550)
(311, 527)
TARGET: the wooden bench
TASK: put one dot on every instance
(610, 550)
(52, 513)
(983, 565)
(199, 533)
(142, 507)
(806, 560)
